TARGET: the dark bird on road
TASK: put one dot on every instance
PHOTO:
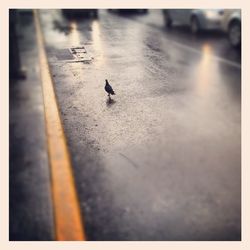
(109, 89)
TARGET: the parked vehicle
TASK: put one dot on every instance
(197, 19)
(80, 13)
(129, 11)
(232, 26)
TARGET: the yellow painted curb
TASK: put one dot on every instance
(67, 216)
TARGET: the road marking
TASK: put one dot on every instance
(217, 58)
(197, 51)
(67, 216)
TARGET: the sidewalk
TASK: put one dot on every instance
(31, 216)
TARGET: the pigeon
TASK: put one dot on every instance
(109, 89)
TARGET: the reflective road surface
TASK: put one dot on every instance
(162, 159)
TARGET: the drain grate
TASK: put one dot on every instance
(74, 54)
(64, 55)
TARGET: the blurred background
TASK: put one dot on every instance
(161, 159)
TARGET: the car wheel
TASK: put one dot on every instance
(234, 34)
(168, 20)
(194, 25)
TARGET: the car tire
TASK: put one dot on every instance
(168, 20)
(194, 25)
(234, 34)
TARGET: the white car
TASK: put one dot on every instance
(197, 19)
(232, 25)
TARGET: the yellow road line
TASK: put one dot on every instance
(67, 216)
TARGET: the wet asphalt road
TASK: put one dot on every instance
(162, 161)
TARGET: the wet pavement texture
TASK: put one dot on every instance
(162, 160)
(30, 208)
(217, 40)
